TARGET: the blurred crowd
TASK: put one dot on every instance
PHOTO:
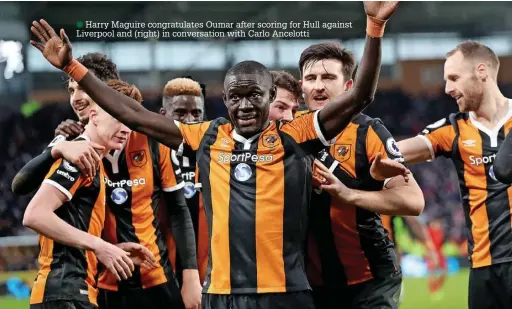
(22, 138)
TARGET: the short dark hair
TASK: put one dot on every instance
(249, 67)
(328, 50)
(100, 65)
(286, 81)
(473, 49)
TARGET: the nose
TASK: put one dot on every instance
(288, 115)
(77, 96)
(448, 88)
(188, 118)
(245, 104)
(125, 130)
(319, 85)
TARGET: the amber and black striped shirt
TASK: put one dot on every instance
(68, 273)
(256, 194)
(136, 178)
(191, 189)
(487, 202)
(346, 244)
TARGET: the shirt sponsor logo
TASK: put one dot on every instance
(119, 196)
(482, 160)
(244, 157)
(130, 183)
(243, 172)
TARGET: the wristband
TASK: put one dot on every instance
(75, 70)
(375, 27)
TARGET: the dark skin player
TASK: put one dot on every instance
(247, 96)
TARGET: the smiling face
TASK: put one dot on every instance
(247, 98)
(462, 82)
(80, 101)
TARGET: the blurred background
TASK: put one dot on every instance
(33, 97)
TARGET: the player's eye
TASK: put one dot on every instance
(255, 95)
(235, 97)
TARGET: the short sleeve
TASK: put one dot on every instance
(192, 134)
(66, 177)
(170, 173)
(439, 138)
(306, 129)
(379, 140)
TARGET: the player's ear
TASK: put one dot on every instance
(273, 92)
(224, 98)
(482, 71)
(349, 84)
(162, 111)
(93, 116)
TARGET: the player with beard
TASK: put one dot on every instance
(471, 139)
(245, 164)
(350, 259)
(133, 200)
(183, 101)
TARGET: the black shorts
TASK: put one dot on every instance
(162, 296)
(64, 304)
(490, 287)
(382, 293)
(291, 300)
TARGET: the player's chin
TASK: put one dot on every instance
(115, 144)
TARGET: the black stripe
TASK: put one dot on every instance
(125, 231)
(154, 152)
(497, 204)
(242, 220)
(373, 239)
(203, 158)
(298, 165)
(464, 192)
(68, 269)
(320, 227)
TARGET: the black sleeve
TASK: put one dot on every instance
(503, 162)
(30, 177)
(182, 228)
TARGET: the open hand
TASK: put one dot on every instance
(69, 128)
(380, 9)
(139, 254)
(383, 169)
(57, 50)
(83, 154)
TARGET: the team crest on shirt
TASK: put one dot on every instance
(342, 153)
(139, 158)
(270, 140)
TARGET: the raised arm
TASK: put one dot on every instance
(337, 115)
(58, 51)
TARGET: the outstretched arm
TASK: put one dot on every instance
(81, 153)
(337, 115)
(503, 162)
(58, 51)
